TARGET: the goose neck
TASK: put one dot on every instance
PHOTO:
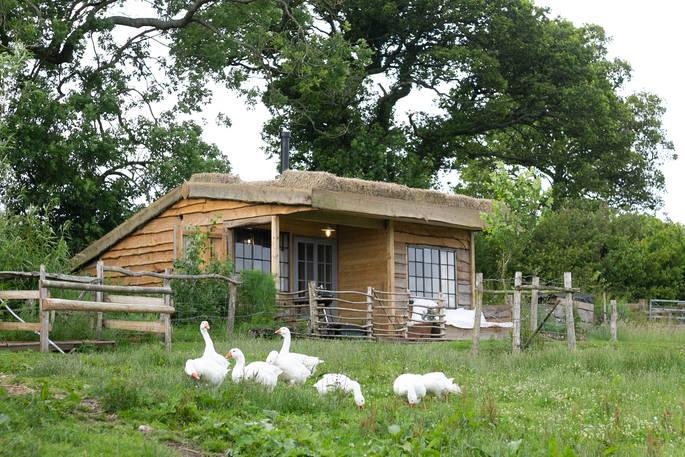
(285, 349)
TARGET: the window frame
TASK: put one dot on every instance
(239, 257)
(442, 281)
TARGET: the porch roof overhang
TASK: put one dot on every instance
(330, 197)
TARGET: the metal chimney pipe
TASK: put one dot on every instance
(285, 150)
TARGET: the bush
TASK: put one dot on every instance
(257, 298)
(200, 298)
(209, 298)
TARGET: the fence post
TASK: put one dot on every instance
(614, 316)
(516, 313)
(44, 315)
(166, 318)
(534, 298)
(232, 299)
(369, 311)
(570, 321)
(313, 312)
(99, 297)
(604, 307)
(478, 303)
(441, 315)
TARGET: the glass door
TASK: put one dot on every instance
(315, 260)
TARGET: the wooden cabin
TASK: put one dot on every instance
(341, 233)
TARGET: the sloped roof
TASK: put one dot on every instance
(320, 190)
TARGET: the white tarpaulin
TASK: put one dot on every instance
(460, 317)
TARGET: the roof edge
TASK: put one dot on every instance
(127, 227)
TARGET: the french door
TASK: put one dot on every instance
(315, 260)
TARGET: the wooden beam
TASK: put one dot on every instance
(472, 254)
(332, 218)
(134, 299)
(477, 302)
(516, 313)
(275, 250)
(390, 253)
(135, 326)
(247, 221)
(570, 320)
(44, 314)
(245, 192)
(99, 296)
(106, 288)
(59, 304)
(22, 326)
(165, 318)
(396, 208)
(19, 294)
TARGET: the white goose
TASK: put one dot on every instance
(336, 381)
(260, 372)
(411, 386)
(206, 369)
(438, 384)
(308, 361)
(210, 352)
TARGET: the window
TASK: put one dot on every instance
(433, 270)
(253, 252)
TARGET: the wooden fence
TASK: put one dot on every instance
(667, 310)
(373, 314)
(106, 299)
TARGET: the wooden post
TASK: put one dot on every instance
(604, 307)
(276, 250)
(441, 315)
(166, 318)
(570, 321)
(313, 312)
(369, 311)
(44, 315)
(614, 316)
(478, 303)
(534, 293)
(232, 299)
(516, 313)
(99, 297)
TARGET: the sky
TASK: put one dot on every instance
(649, 35)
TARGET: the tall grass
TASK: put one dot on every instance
(626, 398)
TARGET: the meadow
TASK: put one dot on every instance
(624, 399)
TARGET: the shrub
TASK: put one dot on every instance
(257, 298)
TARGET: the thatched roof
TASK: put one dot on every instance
(316, 190)
(310, 180)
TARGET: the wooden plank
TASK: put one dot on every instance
(119, 253)
(135, 326)
(570, 322)
(99, 296)
(276, 251)
(516, 313)
(19, 294)
(165, 319)
(232, 300)
(333, 218)
(44, 314)
(135, 299)
(106, 288)
(313, 312)
(142, 241)
(431, 240)
(613, 330)
(247, 221)
(143, 258)
(472, 268)
(390, 263)
(478, 300)
(247, 193)
(534, 303)
(395, 208)
(432, 231)
(59, 304)
(22, 326)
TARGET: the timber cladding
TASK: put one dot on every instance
(155, 245)
(361, 261)
(442, 237)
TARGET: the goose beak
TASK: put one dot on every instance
(195, 376)
(229, 356)
(278, 332)
(360, 406)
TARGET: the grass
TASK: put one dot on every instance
(622, 399)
